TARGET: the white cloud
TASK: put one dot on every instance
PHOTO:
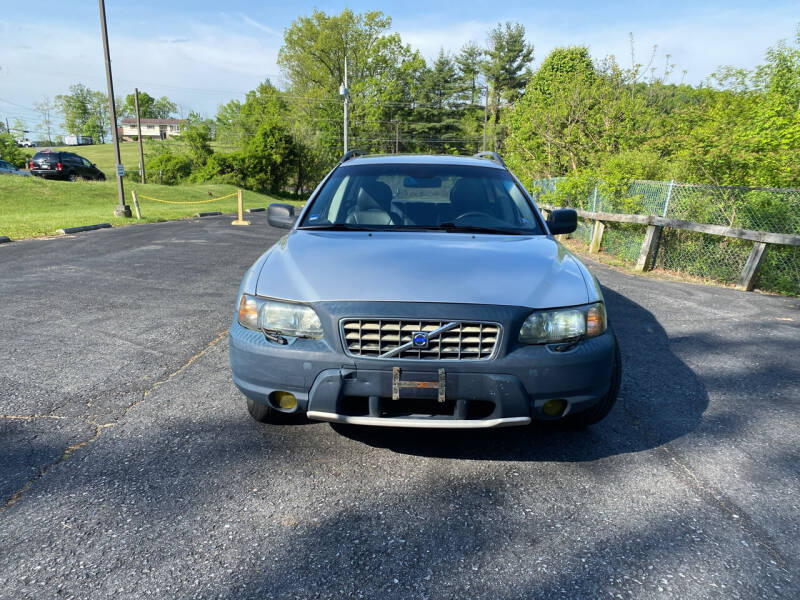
(200, 67)
(257, 25)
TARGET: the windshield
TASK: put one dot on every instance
(430, 196)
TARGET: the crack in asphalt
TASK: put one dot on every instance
(98, 427)
(31, 417)
(157, 384)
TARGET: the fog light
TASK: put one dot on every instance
(284, 400)
(553, 408)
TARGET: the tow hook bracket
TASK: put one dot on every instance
(398, 383)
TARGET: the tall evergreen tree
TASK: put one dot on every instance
(468, 60)
(506, 69)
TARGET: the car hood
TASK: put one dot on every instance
(316, 266)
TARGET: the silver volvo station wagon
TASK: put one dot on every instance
(423, 291)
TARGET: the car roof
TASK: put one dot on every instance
(422, 159)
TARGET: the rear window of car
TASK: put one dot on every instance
(397, 196)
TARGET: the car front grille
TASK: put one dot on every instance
(467, 340)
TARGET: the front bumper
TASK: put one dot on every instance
(509, 389)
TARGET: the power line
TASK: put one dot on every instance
(421, 140)
(19, 106)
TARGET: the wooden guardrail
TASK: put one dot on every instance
(655, 225)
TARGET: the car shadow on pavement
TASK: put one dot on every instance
(661, 399)
(473, 539)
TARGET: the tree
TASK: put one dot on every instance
(197, 135)
(45, 107)
(383, 75)
(746, 130)
(574, 115)
(265, 135)
(468, 61)
(149, 107)
(505, 68)
(595, 119)
(9, 151)
(545, 137)
(434, 119)
(85, 112)
(19, 129)
(76, 108)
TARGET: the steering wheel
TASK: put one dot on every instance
(473, 213)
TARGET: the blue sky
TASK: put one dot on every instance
(202, 53)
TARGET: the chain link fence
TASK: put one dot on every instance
(703, 255)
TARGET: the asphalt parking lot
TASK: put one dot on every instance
(130, 468)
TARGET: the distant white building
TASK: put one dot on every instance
(78, 140)
(156, 129)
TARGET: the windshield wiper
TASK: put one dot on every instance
(451, 227)
(338, 227)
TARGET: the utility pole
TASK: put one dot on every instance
(485, 114)
(8, 127)
(139, 135)
(397, 137)
(122, 209)
(343, 91)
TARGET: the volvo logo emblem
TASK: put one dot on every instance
(419, 339)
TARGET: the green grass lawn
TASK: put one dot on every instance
(33, 207)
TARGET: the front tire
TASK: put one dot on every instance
(599, 411)
(263, 413)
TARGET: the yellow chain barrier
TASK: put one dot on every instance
(193, 202)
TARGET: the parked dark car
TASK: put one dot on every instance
(64, 165)
(6, 168)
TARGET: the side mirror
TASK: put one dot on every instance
(562, 220)
(281, 215)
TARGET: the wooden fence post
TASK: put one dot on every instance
(136, 204)
(747, 278)
(240, 220)
(597, 236)
(647, 255)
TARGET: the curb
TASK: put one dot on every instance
(253, 210)
(208, 214)
(66, 230)
(4, 239)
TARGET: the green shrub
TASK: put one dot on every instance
(222, 168)
(571, 192)
(10, 152)
(174, 168)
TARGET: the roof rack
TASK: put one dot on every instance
(493, 156)
(352, 154)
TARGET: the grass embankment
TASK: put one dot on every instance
(103, 154)
(32, 207)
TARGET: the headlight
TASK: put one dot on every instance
(551, 326)
(293, 320)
